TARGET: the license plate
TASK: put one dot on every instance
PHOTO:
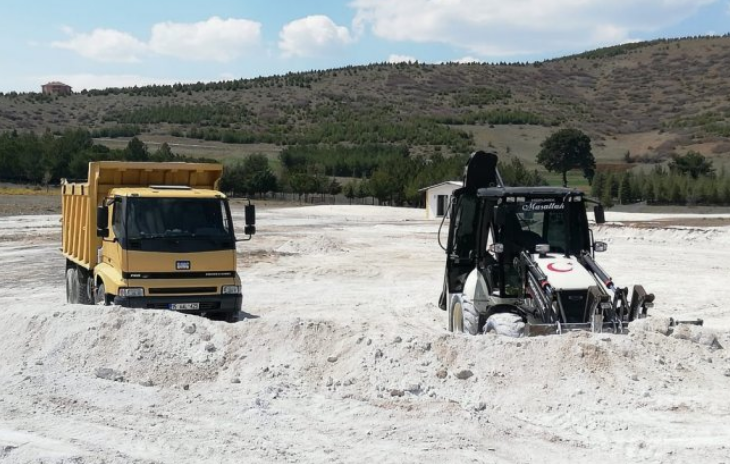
(183, 306)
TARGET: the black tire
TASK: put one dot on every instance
(471, 318)
(233, 317)
(71, 283)
(84, 287)
(506, 324)
(463, 316)
(77, 286)
(101, 298)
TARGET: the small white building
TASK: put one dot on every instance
(438, 198)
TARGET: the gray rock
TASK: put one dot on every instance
(464, 374)
(210, 347)
(441, 373)
(109, 374)
(332, 358)
(235, 380)
(396, 392)
(190, 328)
(397, 339)
(378, 353)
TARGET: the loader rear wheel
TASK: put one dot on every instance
(463, 316)
(506, 324)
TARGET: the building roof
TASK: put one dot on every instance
(455, 183)
(57, 83)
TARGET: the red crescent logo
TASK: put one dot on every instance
(552, 267)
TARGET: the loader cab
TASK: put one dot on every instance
(527, 217)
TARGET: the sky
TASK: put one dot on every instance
(97, 43)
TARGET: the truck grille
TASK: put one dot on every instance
(181, 291)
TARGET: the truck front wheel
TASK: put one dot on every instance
(101, 298)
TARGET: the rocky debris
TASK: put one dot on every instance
(442, 373)
(332, 359)
(464, 374)
(107, 373)
(190, 328)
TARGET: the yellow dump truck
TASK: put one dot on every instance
(152, 235)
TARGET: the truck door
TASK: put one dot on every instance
(111, 249)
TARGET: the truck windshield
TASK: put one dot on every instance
(153, 218)
(531, 223)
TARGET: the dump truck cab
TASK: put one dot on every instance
(168, 247)
(163, 238)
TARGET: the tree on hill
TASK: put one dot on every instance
(693, 163)
(136, 151)
(565, 150)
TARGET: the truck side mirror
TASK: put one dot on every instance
(599, 214)
(500, 215)
(102, 221)
(250, 213)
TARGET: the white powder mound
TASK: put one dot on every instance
(343, 356)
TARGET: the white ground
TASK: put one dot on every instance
(345, 358)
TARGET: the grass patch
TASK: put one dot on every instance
(53, 191)
(575, 179)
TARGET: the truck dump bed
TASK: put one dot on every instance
(79, 200)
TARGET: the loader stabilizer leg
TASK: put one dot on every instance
(596, 305)
(640, 303)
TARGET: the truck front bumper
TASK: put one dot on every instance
(207, 304)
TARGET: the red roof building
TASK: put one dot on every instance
(57, 88)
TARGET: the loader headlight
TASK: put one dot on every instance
(231, 289)
(130, 292)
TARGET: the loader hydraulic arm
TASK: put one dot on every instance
(538, 287)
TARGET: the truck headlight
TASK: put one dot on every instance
(231, 289)
(131, 292)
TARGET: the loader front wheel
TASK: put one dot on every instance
(506, 324)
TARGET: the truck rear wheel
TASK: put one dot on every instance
(77, 286)
(71, 292)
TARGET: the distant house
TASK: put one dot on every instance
(438, 198)
(56, 88)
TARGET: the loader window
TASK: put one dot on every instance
(530, 224)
